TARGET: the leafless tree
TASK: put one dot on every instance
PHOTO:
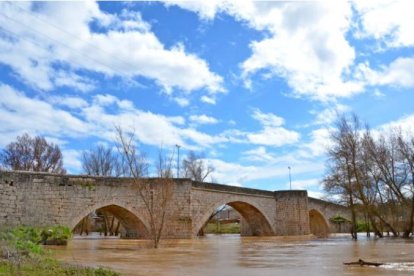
(156, 194)
(32, 154)
(103, 161)
(377, 174)
(406, 149)
(195, 167)
(340, 177)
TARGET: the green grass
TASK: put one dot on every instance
(228, 228)
(21, 253)
(49, 267)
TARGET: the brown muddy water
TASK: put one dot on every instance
(234, 255)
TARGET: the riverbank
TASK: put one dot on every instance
(21, 253)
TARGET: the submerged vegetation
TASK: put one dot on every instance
(22, 253)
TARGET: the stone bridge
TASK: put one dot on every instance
(42, 199)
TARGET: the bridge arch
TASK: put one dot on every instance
(318, 224)
(133, 224)
(257, 221)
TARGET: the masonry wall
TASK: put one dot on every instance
(291, 213)
(42, 199)
(329, 210)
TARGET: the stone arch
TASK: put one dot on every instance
(134, 226)
(257, 221)
(318, 224)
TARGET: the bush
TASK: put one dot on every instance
(28, 240)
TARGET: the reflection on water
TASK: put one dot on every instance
(235, 255)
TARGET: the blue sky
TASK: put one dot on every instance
(254, 86)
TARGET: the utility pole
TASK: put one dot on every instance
(290, 179)
(178, 160)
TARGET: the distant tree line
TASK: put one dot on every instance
(373, 172)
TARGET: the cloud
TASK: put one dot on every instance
(72, 160)
(305, 43)
(329, 114)
(182, 101)
(40, 37)
(405, 124)
(236, 174)
(398, 73)
(203, 119)
(388, 21)
(19, 113)
(208, 100)
(272, 134)
(258, 154)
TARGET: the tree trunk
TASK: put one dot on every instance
(409, 228)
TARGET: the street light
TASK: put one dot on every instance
(178, 160)
(290, 179)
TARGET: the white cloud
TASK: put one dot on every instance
(208, 100)
(237, 174)
(397, 73)
(203, 119)
(329, 114)
(405, 124)
(388, 21)
(182, 101)
(306, 43)
(259, 154)
(272, 134)
(37, 39)
(68, 101)
(268, 119)
(19, 113)
(72, 160)
(305, 184)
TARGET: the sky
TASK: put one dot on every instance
(254, 87)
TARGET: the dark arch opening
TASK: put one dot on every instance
(112, 220)
(250, 220)
(318, 225)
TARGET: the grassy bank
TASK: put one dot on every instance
(220, 228)
(22, 253)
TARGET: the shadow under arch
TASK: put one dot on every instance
(318, 224)
(134, 227)
(255, 222)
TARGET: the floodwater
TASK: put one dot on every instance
(235, 255)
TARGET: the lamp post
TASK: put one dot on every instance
(290, 179)
(178, 160)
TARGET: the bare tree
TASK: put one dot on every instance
(103, 161)
(32, 154)
(195, 167)
(340, 177)
(406, 149)
(155, 193)
(377, 174)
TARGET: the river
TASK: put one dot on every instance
(235, 255)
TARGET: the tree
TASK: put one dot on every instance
(156, 194)
(340, 177)
(32, 154)
(374, 173)
(195, 168)
(103, 161)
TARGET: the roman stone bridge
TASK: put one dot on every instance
(42, 199)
